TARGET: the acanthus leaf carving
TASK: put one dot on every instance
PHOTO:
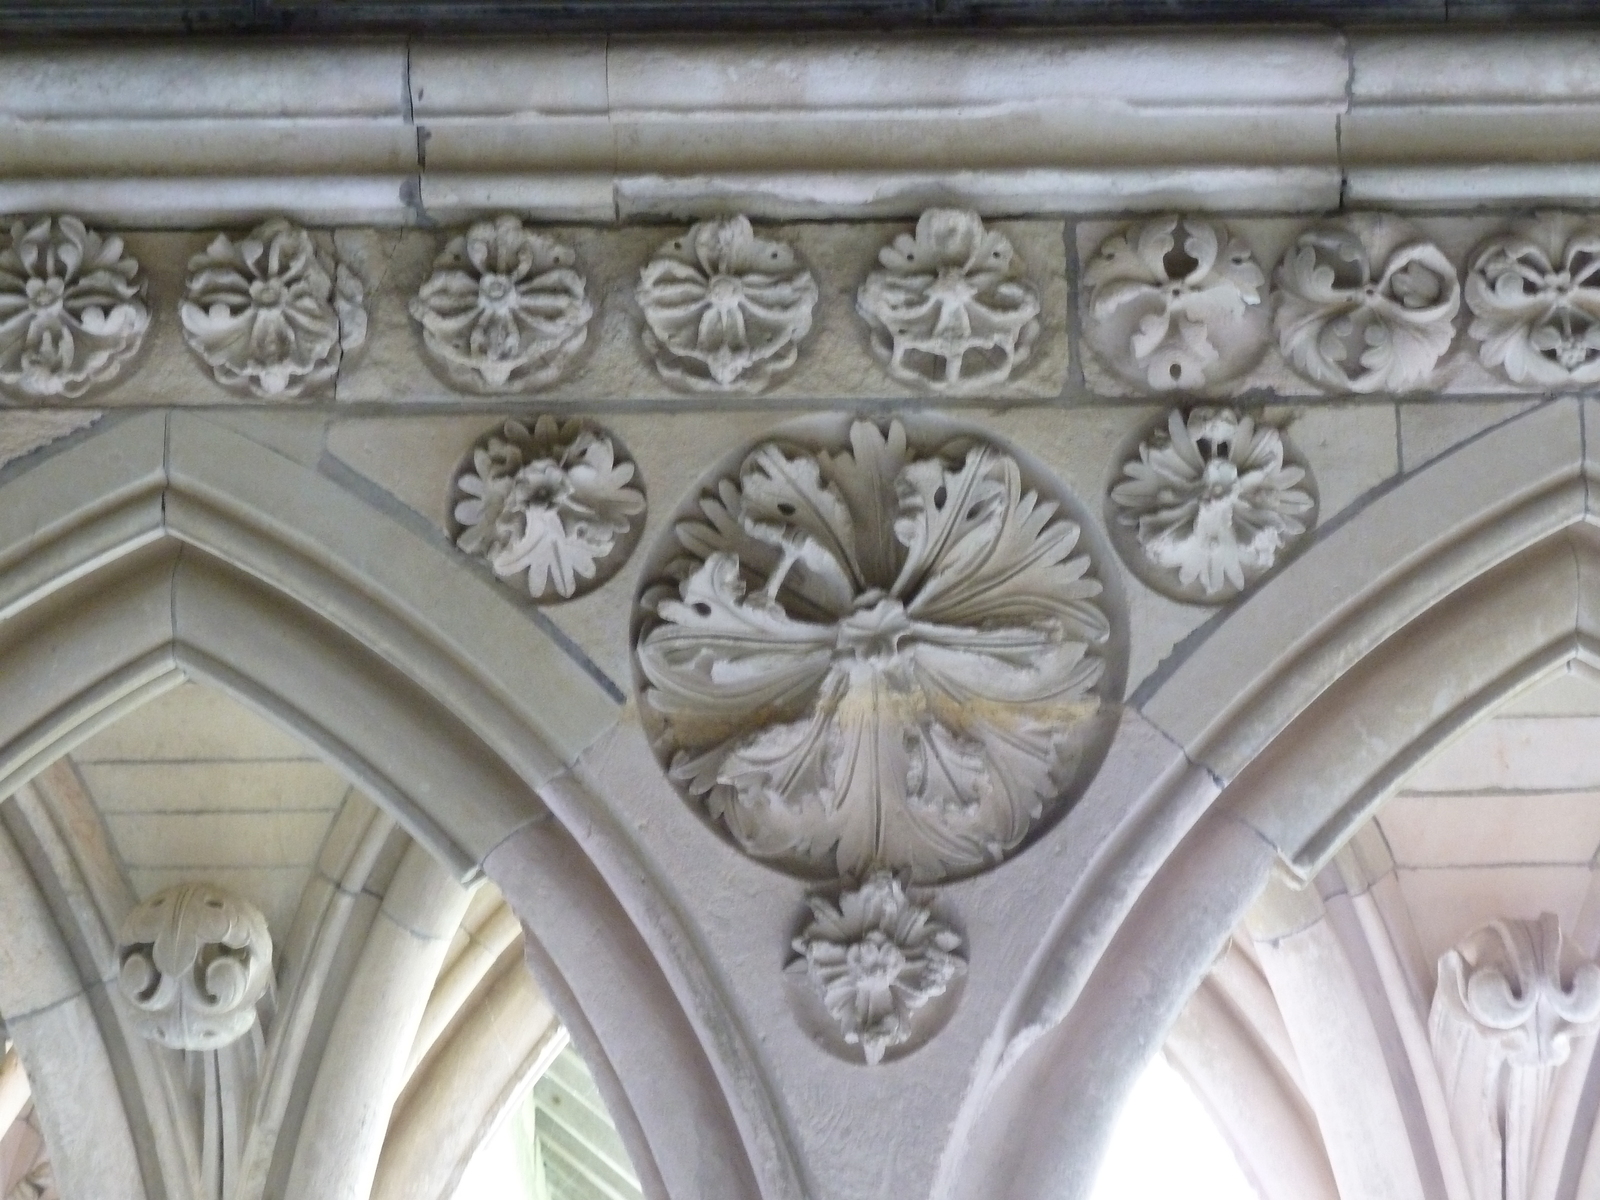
(1511, 999)
(875, 657)
(725, 310)
(1175, 302)
(274, 312)
(1535, 299)
(876, 958)
(72, 309)
(1211, 502)
(194, 961)
(949, 308)
(504, 310)
(552, 503)
(1366, 305)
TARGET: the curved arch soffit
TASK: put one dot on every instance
(1299, 711)
(181, 549)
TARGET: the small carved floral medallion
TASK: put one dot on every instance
(1535, 298)
(950, 309)
(194, 961)
(274, 312)
(1366, 305)
(72, 309)
(879, 656)
(504, 310)
(725, 310)
(876, 959)
(552, 504)
(1175, 302)
(1209, 505)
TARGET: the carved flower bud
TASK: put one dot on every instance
(193, 962)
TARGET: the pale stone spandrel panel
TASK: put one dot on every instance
(24, 431)
(1429, 428)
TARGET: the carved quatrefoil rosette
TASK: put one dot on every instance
(552, 505)
(72, 309)
(1175, 302)
(725, 311)
(274, 312)
(1366, 305)
(876, 959)
(950, 309)
(1535, 298)
(194, 961)
(504, 310)
(1210, 504)
(879, 655)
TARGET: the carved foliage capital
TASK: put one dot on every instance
(193, 962)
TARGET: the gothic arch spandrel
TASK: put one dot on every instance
(176, 549)
(1406, 622)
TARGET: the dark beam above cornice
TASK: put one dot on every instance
(247, 17)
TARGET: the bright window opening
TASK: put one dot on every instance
(1165, 1144)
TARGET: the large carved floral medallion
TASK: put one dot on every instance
(725, 310)
(1535, 299)
(72, 309)
(504, 310)
(876, 655)
(1366, 305)
(1210, 503)
(272, 313)
(1176, 303)
(949, 308)
(553, 505)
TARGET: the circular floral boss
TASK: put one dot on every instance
(1208, 502)
(872, 647)
(554, 508)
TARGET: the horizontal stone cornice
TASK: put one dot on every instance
(400, 131)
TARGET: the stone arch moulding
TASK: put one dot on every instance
(1299, 730)
(183, 549)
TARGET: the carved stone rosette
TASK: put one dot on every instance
(876, 656)
(72, 309)
(950, 309)
(1366, 304)
(194, 960)
(724, 310)
(1210, 504)
(504, 310)
(273, 313)
(1511, 1000)
(1535, 300)
(1175, 302)
(553, 504)
(876, 958)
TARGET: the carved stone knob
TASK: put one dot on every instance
(194, 961)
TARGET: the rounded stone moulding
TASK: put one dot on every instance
(1209, 501)
(880, 645)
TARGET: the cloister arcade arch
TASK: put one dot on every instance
(171, 556)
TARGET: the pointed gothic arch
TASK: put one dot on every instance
(1406, 621)
(183, 549)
